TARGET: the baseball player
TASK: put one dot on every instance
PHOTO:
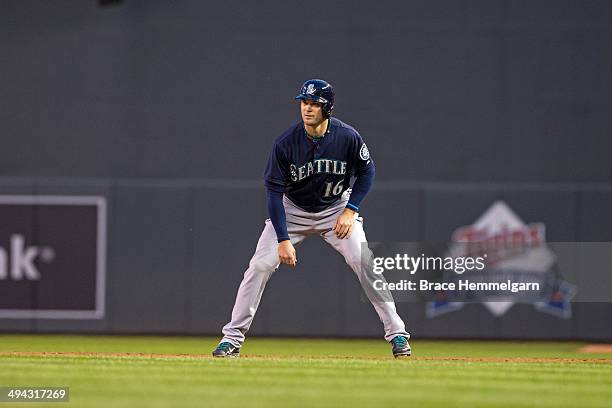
(307, 181)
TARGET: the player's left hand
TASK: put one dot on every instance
(344, 223)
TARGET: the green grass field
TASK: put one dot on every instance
(103, 371)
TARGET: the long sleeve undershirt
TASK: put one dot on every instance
(276, 211)
(361, 186)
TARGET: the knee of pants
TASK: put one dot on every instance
(266, 264)
(353, 256)
(355, 251)
(353, 262)
(359, 263)
(356, 265)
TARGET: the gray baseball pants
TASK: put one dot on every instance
(300, 225)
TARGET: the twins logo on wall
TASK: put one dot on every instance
(52, 257)
(514, 250)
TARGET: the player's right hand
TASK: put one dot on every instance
(286, 253)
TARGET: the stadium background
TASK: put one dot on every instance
(168, 109)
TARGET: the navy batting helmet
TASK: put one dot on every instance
(321, 91)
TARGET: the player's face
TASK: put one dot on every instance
(312, 112)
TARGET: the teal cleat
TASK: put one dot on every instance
(226, 349)
(401, 348)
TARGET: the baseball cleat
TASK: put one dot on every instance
(401, 348)
(225, 349)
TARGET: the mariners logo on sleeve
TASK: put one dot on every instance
(364, 153)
